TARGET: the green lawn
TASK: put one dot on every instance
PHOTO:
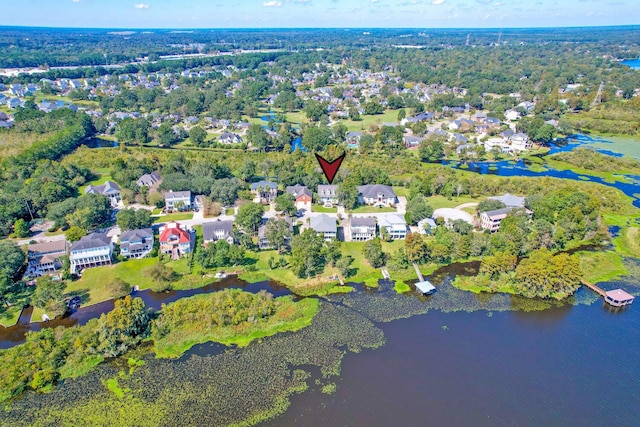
(401, 191)
(438, 202)
(377, 119)
(601, 266)
(371, 209)
(320, 208)
(9, 316)
(230, 211)
(178, 216)
(628, 242)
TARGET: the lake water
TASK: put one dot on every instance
(616, 146)
(564, 366)
(633, 63)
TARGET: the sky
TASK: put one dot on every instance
(318, 13)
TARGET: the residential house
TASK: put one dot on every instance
(426, 226)
(510, 200)
(47, 106)
(353, 139)
(264, 191)
(136, 243)
(230, 138)
(45, 257)
(363, 228)
(217, 230)
(328, 195)
(263, 242)
(490, 220)
(175, 240)
(109, 189)
(177, 201)
(302, 195)
(325, 226)
(412, 141)
(93, 250)
(394, 225)
(512, 115)
(520, 142)
(13, 103)
(376, 195)
(149, 179)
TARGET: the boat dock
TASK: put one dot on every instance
(616, 298)
(424, 286)
(385, 273)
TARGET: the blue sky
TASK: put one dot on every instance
(318, 13)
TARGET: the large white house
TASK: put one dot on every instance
(109, 189)
(363, 228)
(376, 195)
(217, 230)
(45, 257)
(325, 226)
(177, 200)
(395, 226)
(93, 250)
(328, 194)
(136, 243)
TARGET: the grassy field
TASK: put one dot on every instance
(628, 242)
(401, 191)
(320, 208)
(13, 143)
(9, 315)
(178, 216)
(601, 266)
(371, 209)
(438, 202)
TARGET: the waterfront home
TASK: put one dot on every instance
(263, 242)
(136, 243)
(426, 226)
(45, 257)
(302, 195)
(264, 192)
(519, 142)
(362, 228)
(325, 226)
(490, 220)
(175, 240)
(109, 189)
(217, 230)
(149, 179)
(177, 201)
(328, 195)
(93, 250)
(395, 226)
(376, 195)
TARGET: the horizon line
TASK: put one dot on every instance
(4, 27)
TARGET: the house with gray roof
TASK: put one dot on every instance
(325, 226)
(412, 141)
(376, 195)
(149, 179)
(510, 200)
(328, 194)
(264, 191)
(362, 228)
(177, 201)
(490, 220)
(230, 138)
(44, 258)
(136, 243)
(263, 242)
(394, 225)
(217, 230)
(109, 189)
(93, 250)
(302, 195)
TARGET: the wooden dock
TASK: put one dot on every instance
(616, 298)
(415, 266)
(385, 274)
(424, 286)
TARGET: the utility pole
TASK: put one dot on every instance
(29, 208)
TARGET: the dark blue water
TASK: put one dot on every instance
(633, 63)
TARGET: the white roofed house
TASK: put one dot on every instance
(490, 220)
(325, 226)
(217, 230)
(45, 257)
(328, 194)
(363, 228)
(136, 243)
(93, 250)
(395, 226)
(520, 142)
(109, 189)
(177, 201)
(376, 195)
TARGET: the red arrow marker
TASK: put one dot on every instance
(330, 168)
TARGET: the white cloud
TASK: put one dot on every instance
(272, 3)
(76, 1)
(141, 6)
(437, 2)
(375, 1)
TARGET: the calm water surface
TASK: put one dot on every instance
(570, 366)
